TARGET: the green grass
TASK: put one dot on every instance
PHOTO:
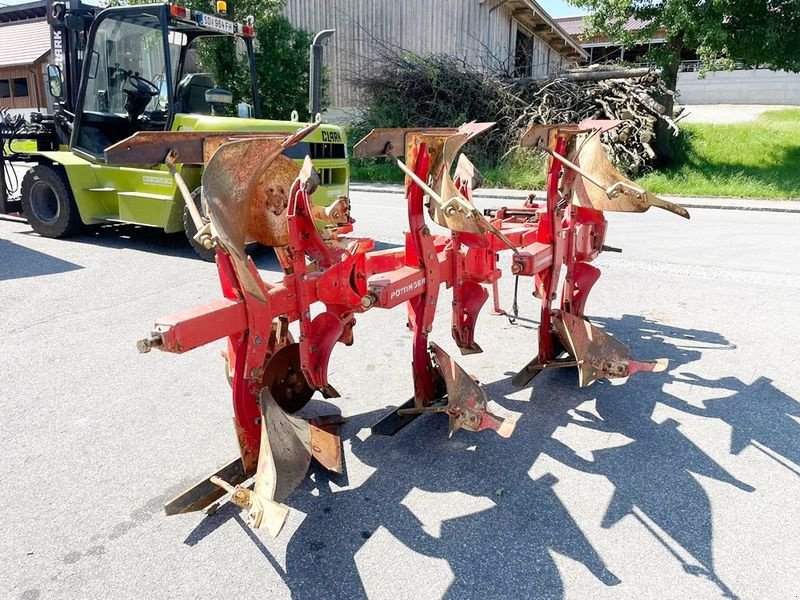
(524, 171)
(378, 170)
(759, 159)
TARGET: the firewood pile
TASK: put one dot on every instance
(632, 96)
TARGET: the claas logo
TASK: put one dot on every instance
(331, 136)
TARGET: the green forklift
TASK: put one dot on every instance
(129, 69)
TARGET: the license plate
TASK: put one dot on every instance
(216, 23)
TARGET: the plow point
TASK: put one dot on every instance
(508, 419)
(204, 492)
(597, 354)
(287, 445)
(467, 404)
(394, 421)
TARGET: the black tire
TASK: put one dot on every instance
(188, 226)
(48, 203)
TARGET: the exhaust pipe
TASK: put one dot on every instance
(315, 73)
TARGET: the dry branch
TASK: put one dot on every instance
(409, 90)
(637, 101)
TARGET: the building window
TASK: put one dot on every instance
(20, 87)
(523, 55)
(5, 89)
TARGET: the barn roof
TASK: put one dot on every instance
(535, 18)
(24, 42)
(572, 25)
(19, 12)
(576, 26)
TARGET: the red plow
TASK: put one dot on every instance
(329, 276)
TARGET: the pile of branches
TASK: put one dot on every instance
(409, 90)
(636, 97)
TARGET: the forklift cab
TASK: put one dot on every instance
(135, 77)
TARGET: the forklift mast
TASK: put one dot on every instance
(69, 22)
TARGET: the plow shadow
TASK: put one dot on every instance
(505, 547)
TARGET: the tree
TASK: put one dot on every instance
(724, 32)
(281, 58)
(282, 54)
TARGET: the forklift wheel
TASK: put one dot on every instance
(48, 203)
(191, 230)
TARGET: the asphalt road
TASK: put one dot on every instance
(682, 484)
(728, 113)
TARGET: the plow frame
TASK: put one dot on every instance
(345, 277)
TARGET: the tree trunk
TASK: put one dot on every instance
(665, 145)
(670, 73)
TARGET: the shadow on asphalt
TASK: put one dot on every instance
(133, 237)
(19, 262)
(143, 239)
(505, 550)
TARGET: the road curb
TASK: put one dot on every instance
(776, 206)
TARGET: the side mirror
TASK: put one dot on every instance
(218, 96)
(218, 99)
(54, 82)
(76, 22)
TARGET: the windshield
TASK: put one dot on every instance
(124, 45)
(126, 85)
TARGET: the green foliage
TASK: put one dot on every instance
(760, 159)
(752, 32)
(374, 171)
(411, 90)
(281, 62)
(521, 170)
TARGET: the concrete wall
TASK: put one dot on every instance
(757, 86)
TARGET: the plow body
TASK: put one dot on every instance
(330, 277)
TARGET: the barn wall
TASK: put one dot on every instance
(544, 59)
(36, 98)
(467, 29)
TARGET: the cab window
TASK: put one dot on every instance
(126, 87)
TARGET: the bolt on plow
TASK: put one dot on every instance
(252, 192)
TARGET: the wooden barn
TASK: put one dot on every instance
(24, 50)
(515, 37)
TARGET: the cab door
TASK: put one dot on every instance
(127, 87)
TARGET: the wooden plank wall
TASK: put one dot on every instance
(36, 94)
(544, 59)
(468, 29)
